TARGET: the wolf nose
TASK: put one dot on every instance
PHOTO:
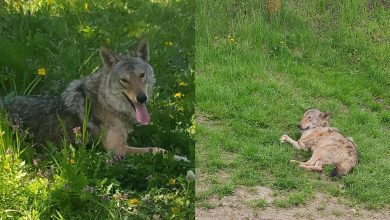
(141, 98)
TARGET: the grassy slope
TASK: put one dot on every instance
(256, 73)
(73, 183)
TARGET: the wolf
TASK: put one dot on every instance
(329, 146)
(117, 95)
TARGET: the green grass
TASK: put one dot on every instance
(257, 73)
(258, 203)
(83, 182)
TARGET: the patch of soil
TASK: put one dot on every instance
(203, 182)
(322, 206)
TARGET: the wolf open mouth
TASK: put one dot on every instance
(141, 112)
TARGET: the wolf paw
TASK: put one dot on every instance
(284, 138)
(156, 150)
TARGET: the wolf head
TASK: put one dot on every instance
(314, 118)
(130, 80)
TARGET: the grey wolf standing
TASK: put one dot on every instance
(327, 144)
(118, 93)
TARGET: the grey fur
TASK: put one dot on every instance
(109, 91)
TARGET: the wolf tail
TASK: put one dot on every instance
(337, 172)
(334, 173)
(344, 168)
(340, 171)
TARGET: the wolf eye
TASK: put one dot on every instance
(142, 75)
(124, 81)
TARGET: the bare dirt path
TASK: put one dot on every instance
(237, 206)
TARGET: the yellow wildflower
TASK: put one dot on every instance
(231, 39)
(180, 109)
(178, 95)
(42, 71)
(6, 167)
(133, 202)
(172, 181)
(86, 6)
(71, 161)
(192, 129)
(175, 210)
(168, 43)
(183, 84)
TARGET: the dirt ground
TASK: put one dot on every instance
(237, 206)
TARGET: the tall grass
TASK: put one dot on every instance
(257, 73)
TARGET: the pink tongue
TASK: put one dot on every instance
(142, 114)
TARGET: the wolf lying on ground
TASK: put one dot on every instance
(327, 144)
(117, 94)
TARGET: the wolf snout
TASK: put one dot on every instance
(141, 98)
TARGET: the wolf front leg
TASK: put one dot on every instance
(286, 139)
(116, 141)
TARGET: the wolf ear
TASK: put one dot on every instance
(143, 50)
(325, 115)
(109, 58)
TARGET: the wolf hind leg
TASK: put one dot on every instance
(312, 168)
(316, 167)
(313, 160)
